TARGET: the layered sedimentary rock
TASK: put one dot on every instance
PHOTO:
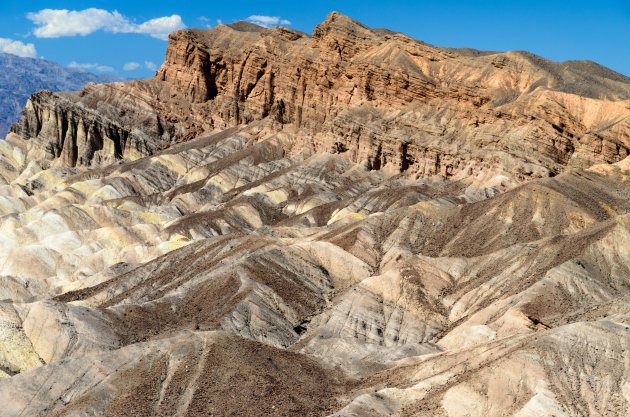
(397, 293)
(454, 245)
(380, 97)
(97, 126)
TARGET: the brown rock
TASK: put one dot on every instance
(360, 90)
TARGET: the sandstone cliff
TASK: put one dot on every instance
(385, 100)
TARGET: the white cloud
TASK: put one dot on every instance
(130, 66)
(205, 21)
(18, 48)
(56, 23)
(150, 66)
(268, 21)
(160, 28)
(97, 67)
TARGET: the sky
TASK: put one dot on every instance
(128, 38)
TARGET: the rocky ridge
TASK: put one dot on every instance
(386, 100)
(324, 263)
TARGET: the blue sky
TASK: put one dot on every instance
(126, 38)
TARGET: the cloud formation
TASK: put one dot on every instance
(205, 21)
(130, 66)
(268, 21)
(150, 66)
(18, 48)
(56, 23)
(85, 67)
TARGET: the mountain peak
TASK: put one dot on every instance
(343, 34)
(245, 26)
(338, 22)
(340, 19)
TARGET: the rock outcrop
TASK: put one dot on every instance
(370, 226)
(381, 98)
(97, 126)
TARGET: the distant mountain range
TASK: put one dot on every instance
(20, 77)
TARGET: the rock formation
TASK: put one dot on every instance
(21, 77)
(347, 87)
(352, 223)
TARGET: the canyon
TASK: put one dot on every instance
(347, 223)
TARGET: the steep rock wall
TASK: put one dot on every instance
(97, 126)
(389, 99)
(383, 99)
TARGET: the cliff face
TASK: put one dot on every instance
(391, 101)
(385, 100)
(74, 135)
(99, 125)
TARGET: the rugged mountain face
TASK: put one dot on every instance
(386, 100)
(348, 224)
(22, 77)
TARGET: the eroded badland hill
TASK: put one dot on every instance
(347, 223)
